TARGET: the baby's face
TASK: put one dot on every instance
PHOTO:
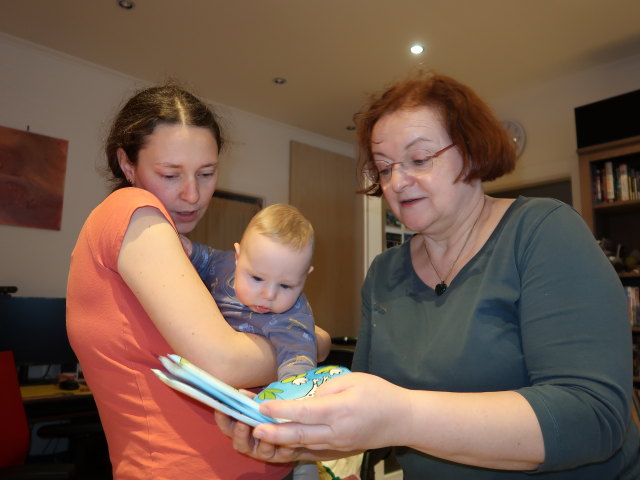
(269, 276)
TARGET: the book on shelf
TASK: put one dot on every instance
(633, 305)
(187, 378)
(610, 189)
(623, 181)
(614, 183)
(597, 186)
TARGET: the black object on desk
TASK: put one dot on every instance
(68, 384)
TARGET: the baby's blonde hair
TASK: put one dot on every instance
(284, 224)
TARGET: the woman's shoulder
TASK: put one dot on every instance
(543, 218)
(534, 209)
(538, 203)
(123, 202)
(131, 196)
(114, 212)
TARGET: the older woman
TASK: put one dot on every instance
(495, 341)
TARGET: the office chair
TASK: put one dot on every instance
(14, 439)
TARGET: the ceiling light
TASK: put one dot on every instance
(279, 80)
(126, 4)
(417, 49)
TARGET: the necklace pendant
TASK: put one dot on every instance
(441, 288)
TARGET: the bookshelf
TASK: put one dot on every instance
(604, 216)
(394, 232)
(614, 216)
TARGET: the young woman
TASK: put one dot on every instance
(133, 295)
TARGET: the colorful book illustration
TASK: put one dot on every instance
(185, 377)
(300, 386)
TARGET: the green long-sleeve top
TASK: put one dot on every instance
(538, 310)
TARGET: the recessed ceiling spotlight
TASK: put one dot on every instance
(416, 49)
(279, 80)
(126, 4)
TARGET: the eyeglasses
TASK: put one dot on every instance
(381, 174)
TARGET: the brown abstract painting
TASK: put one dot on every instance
(32, 170)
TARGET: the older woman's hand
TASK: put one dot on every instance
(350, 413)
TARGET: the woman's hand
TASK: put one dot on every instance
(244, 442)
(350, 413)
(356, 411)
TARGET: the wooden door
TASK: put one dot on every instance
(225, 220)
(322, 185)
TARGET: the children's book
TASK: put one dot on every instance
(185, 377)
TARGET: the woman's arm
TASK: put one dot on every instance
(153, 264)
(323, 343)
(360, 411)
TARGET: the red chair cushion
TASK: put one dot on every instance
(14, 436)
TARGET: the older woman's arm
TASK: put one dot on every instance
(360, 411)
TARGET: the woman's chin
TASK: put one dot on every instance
(185, 227)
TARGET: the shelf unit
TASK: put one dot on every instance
(612, 218)
(619, 220)
(394, 233)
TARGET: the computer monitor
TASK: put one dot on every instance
(34, 328)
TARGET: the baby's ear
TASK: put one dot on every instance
(310, 270)
(236, 247)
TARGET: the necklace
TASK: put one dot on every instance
(442, 286)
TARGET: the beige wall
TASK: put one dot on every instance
(546, 112)
(64, 97)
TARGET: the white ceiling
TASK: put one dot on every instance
(332, 52)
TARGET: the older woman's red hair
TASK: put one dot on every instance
(487, 152)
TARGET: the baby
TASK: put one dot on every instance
(258, 288)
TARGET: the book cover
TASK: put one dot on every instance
(187, 378)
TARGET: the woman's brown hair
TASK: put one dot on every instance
(165, 104)
(487, 152)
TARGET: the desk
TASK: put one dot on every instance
(77, 420)
(48, 402)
